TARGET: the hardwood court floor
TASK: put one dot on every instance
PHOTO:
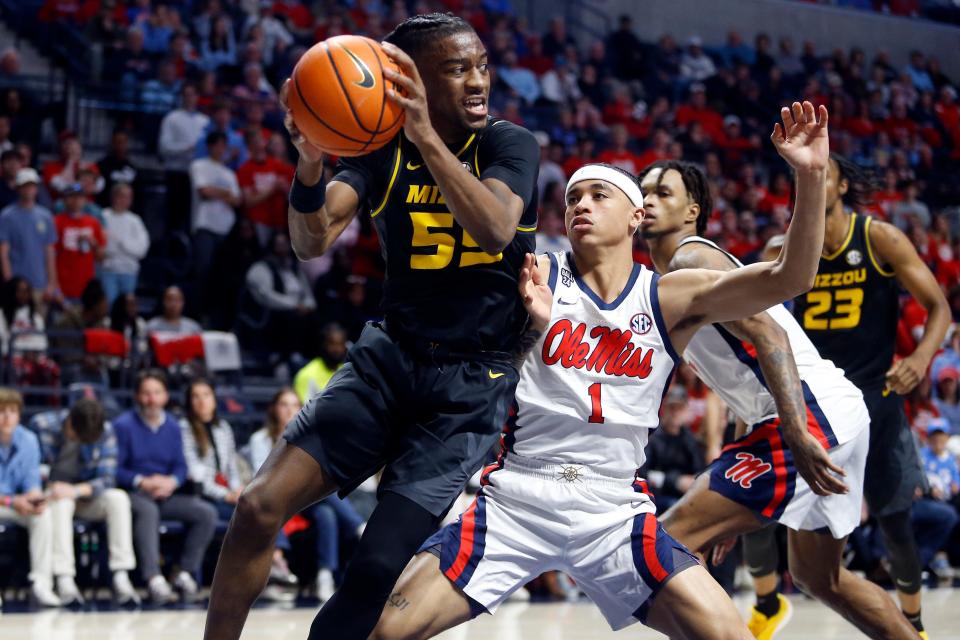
(580, 621)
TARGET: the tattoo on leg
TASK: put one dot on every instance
(398, 601)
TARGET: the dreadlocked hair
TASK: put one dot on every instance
(418, 32)
(694, 181)
(860, 183)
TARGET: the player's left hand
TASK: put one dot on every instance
(413, 97)
(535, 293)
(721, 550)
(802, 138)
(815, 466)
(906, 374)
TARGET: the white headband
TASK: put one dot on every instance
(611, 175)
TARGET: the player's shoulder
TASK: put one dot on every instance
(885, 238)
(498, 130)
(699, 255)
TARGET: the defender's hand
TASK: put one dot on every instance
(413, 99)
(815, 466)
(802, 139)
(535, 293)
(721, 550)
(308, 151)
(906, 374)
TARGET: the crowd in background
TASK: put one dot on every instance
(75, 252)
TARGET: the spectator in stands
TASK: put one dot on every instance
(24, 116)
(332, 350)
(160, 94)
(80, 449)
(265, 182)
(18, 313)
(937, 513)
(551, 235)
(697, 110)
(275, 36)
(695, 65)
(559, 85)
(180, 133)
(209, 449)
(171, 320)
(215, 193)
(80, 244)
(947, 399)
(917, 72)
(618, 154)
(625, 50)
(674, 456)
(222, 122)
(10, 165)
(6, 144)
(521, 80)
(158, 28)
(131, 64)
(65, 171)
(125, 318)
(92, 312)
(21, 497)
(127, 244)
(910, 208)
(152, 467)
(736, 51)
(218, 48)
(233, 259)
(277, 284)
(556, 40)
(28, 238)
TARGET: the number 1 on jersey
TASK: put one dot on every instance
(596, 416)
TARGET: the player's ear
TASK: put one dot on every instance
(693, 212)
(636, 219)
(843, 186)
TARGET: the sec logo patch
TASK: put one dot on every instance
(640, 323)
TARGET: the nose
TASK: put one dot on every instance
(475, 79)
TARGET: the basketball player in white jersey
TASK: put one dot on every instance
(807, 422)
(607, 336)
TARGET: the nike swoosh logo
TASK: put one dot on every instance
(367, 82)
(494, 376)
(565, 302)
(903, 583)
(413, 167)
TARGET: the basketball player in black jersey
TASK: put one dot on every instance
(678, 203)
(851, 316)
(424, 393)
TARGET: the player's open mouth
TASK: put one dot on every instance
(476, 106)
(580, 223)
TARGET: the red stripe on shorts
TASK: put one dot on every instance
(780, 473)
(650, 548)
(466, 543)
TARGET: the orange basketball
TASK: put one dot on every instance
(338, 96)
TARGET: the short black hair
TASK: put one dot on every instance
(86, 419)
(11, 153)
(860, 183)
(92, 294)
(214, 137)
(694, 181)
(418, 32)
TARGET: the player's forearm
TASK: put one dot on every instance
(796, 269)
(475, 207)
(309, 233)
(780, 372)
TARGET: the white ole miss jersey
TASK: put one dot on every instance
(591, 388)
(729, 366)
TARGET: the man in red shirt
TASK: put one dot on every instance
(618, 154)
(80, 243)
(265, 181)
(696, 110)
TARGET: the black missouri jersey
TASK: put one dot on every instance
(440, 285)
(851, 312)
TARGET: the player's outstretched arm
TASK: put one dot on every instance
(691, 298)
(488, 210)
(891, 247)
(313, 231)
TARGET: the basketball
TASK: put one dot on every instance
(338, 96)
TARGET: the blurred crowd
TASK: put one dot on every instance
(88, 298)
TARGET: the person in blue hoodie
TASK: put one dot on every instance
(152, 467)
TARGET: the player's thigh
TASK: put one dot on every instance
(815, 559)
(703, 517)
(423, 604)
(289, 481)
(693, 606)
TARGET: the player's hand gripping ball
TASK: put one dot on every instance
(338, 96)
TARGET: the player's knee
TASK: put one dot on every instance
(257, 513)
(392, 626)
(374, 568)
(727, 626)
(814, 579)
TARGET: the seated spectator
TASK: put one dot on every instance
(522, 81)
(265, 182)
(160, 94)
(209, 449)
(127, 244)
(10, 165)
(695, 65)
(551, 234)
(696, 110)
(229, 270)
(559, 85)
(312, 378)
(222, 121)
(18, 313)
(215, 193)
(171, 320)
(938, 511)
(255, 89)
(28, 238)
(81, 243)
(125, 318)
(278, 286)
(65, 170)
(219, 47)
(21, 497)
(80, 449)
(92, 312)
(947, 397)
(151, 466)
(910, 208)
(618, 154)
(674, 456)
